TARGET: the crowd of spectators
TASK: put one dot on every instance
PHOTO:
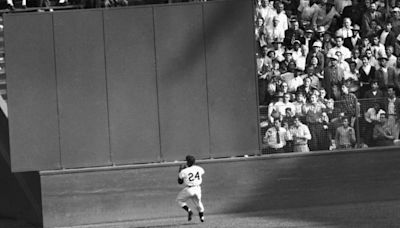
(328, 70)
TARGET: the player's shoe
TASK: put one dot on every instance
(202, 218)
(190, 213)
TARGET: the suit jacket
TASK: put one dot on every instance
(391, 80)
(366, 78)
(347, 43)
(369, 95)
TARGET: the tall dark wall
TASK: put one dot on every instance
(131, 85)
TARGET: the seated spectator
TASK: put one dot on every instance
(300, 135)
(354, 12)
(345, 136)
(301, 60)
(285, 105)
(292, 34)
(382, 133)
(284, 65)
(275, 32)
(275, 105)
(365, 45)
(278, 49)
(296, 51)
(275, 138)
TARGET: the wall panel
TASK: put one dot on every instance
(181, 79)
(32, 95)
(231, 78)
(82, 88)
(132, 91)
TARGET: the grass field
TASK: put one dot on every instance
(369, 214)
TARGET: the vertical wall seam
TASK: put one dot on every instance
(160, 155)
(107, 89)
(57, 94)
(256, 82)
(206, 77)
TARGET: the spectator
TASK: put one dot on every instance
(278, 49)
(354, 12)
(316, 52)
(300, 134)
(342, 63)
(266, 11)
(374, 94)
(396, 20)
(377, 48)
(387, 37)
(385, 75)
(355, 57)
(294, 33)
(392, 108)
(349, 102)
(333, 76)
(345, 136)
(353, 42)
(371, 15)
(346, 53)
(286, 104)
(275, 138)
(392, 60)
(372, 60)
(299, 103)
(319, 135)
(371, 117)
(382, 133)
(296, 51)
(325, 15)
(307, 40)
(365, 45)
(347, 30)
(306, 88)
(275, 31)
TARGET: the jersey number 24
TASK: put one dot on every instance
(192, 176)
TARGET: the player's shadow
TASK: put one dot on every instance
(167, 225)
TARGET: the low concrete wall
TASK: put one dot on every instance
(100, 195)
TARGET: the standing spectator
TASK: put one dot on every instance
(367, 73)
(299, 103)
(286, 104)
(387, 36)
(306, 88)
(342, 63)
(349, 102)
(347, 29)
(371, 117)
(275, 138)
(392, 108)
(355, 57)
(316, 52)
(276, 31)
(354, 12)
(396, 20)
(300, 134)
(385, 75)
(292, 34)
(392, 60)
(374, 93)
(354, 41)
(333, 76)
(346, 53)
(282, 17)
(319, 138)
(325, 15)
(382, 133)
(377, 48)
(266, 11)
(345, 135)
(371, 15)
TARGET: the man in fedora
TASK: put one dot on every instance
(385, 75)
(355, 40)
(333, 75)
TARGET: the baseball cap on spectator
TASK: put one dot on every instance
(396, 9)
(317, 44)
(296, 41)
(309, 30)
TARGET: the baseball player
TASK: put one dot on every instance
(191, 177)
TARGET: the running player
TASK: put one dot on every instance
(191, 177)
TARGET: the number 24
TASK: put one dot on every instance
(192, 176)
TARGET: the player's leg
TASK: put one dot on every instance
(182, 197)
(198, 203)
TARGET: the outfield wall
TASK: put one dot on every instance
(103, 195)
(104, 87)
